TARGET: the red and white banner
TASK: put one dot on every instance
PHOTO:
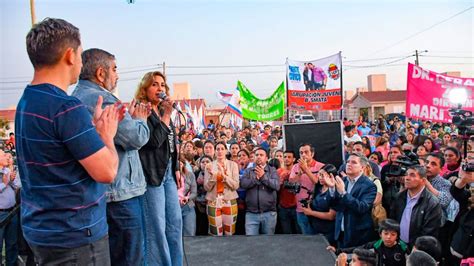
(315, 85)
(428, 91)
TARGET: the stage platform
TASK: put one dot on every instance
(285, 250)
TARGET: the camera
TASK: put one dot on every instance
(305, 202)
(294, 188)
(404, 162)
(463, 120)
(467, 167)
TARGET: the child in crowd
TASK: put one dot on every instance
(389, 248)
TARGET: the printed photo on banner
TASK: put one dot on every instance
(430, 94)
(316, 84)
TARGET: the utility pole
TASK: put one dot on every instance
(32, 11)
(164, 67)
(417, 61)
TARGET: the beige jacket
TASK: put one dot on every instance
(231, 183)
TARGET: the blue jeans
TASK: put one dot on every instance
(163, 223)
(96, 253)
(287, 217)
(266, 221)
(189, 220)
(10, 234)
(304, 224)
(126, 242)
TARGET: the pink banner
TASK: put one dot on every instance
(428, 91)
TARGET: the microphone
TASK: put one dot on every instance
(162, 95)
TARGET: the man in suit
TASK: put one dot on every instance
(308, 76)
(352, 199)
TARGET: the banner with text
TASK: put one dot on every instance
(428, 94)
(268, 109)
(315, 85)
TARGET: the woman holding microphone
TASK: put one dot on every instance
(162, 211)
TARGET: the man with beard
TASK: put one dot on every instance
(124, 196)
(305, 173)
(262, 183)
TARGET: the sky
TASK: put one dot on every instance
(213, 44)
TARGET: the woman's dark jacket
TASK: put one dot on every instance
(155, 155)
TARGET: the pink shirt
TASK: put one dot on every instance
(384, 150)
(304, 180)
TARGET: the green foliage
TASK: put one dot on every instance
(4, 126)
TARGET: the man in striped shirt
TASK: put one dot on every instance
(63, 154)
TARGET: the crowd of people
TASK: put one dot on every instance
(121, 185)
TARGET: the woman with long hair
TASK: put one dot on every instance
(366, 141)
(163, 220)
(234, 150)
(383, 146)
(321, 216)
(243, 163)
(410, 138)
(201, 202)
(221, 181)
(430, 145)
(189, 152)
(422, 152)
(377, 158)
(186, 198)
(452, 157)
(446, 139)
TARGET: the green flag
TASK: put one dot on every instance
(268, 109)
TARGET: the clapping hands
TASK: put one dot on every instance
(139, 110)
(335, 182)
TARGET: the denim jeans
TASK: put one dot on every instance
(287, 217)
(189, 220)
(265, 220)
(163, 223)
(304, 224)
(126, 242)
(9, 233)
(96, 253)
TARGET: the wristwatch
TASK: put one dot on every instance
(343, 194)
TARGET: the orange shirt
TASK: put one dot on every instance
(220, 184)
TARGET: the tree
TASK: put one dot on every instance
(4, 126)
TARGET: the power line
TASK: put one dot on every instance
(446, 56)
(138, 70)
(215, 74)
(228, 66)
(377, 65)
(424, 30)
(375, 59)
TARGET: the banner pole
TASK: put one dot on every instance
(342, 90)
(286, 93)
